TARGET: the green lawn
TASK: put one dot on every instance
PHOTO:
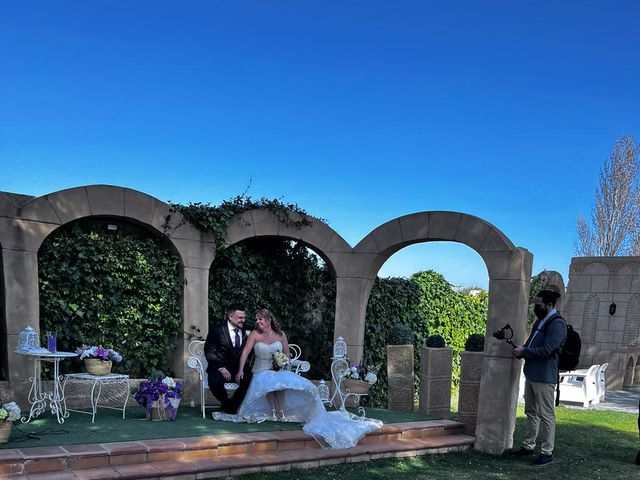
(589, 445)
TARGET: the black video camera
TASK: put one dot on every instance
(505, 333)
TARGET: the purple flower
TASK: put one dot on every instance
(102, 353)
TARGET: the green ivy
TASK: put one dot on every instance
(215, 219)
(287, 278)
(117, 289)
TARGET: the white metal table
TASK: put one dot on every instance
(38, 398)
(119, 382)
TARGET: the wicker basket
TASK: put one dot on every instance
(355, 386)
(97, 367)
(5, 431)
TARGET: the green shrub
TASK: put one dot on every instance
(400, 335)
(474, 343)
(435, 341)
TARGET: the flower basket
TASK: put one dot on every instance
(97, 367)
(160, 397)
(5, 431)
(356, 386)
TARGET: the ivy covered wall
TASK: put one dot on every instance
(122, 289)
(118, 289)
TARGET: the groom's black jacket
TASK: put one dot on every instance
(219, 350)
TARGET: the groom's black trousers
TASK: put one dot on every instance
(216, 385)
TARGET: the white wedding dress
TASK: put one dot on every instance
(339, 429)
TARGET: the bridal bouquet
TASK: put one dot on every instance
(280, 361)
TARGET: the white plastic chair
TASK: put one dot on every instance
(198, 362)
(580, 386)
(602, 384)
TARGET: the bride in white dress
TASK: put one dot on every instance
(287, 397)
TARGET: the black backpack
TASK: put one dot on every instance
(569, 355)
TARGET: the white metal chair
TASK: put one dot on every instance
(198, 362)
(580, 386)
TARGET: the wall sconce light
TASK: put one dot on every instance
(612, 309)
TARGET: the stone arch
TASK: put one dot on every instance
(31, 221)
(629, 373)
(590, 318)
(321, 238)
(509, 270)
(632, 322)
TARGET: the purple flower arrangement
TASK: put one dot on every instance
(161, 390)
(99, 352)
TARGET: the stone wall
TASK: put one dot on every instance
(609, 334)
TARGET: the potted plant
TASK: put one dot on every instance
(470, 373)
(98, 360)
(436, 362)
(400, 368)
(359, 378)
(160, 396)
(9, 413)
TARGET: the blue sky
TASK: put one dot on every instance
(359, 111)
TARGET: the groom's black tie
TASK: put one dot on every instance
(238, 342)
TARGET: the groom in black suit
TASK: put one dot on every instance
(222, 349)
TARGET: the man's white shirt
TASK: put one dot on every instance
(542, 322)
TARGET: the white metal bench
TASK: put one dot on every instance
(198, 362)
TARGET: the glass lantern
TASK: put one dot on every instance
(28, 339)
(339, 349)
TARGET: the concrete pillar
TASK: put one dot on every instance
(435, 381)
(21, 310)
(195, 310)
(400, 377)
(352, 295)
(470, 375)
(498, 397)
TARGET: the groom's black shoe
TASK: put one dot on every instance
(521, 452)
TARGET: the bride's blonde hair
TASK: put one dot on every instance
(267, 315)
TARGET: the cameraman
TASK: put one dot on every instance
(541, 374)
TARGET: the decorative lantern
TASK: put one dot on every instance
(339, 349)
(28, 339)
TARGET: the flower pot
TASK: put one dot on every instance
(355, 386)
(95, 366)
(5, 431)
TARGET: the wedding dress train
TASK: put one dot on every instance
(339, 429)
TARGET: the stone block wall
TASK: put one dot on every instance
(609, 334)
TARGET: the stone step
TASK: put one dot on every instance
(224, 453)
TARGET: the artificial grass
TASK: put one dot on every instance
(109, 426)
(589, 445)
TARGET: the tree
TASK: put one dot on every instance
(615, 218)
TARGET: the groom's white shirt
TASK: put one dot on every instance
(232, 333)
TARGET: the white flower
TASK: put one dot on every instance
(169, 382)
(13, 410)
(355, 375)
(247, 332)
(371, 378)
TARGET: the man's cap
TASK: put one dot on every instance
(550, 291)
